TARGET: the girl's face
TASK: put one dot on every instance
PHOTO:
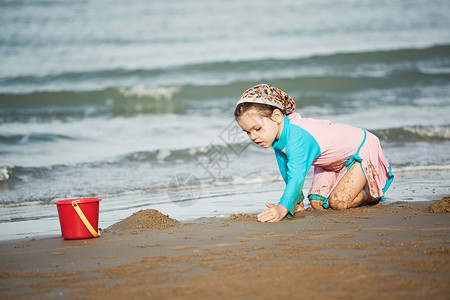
(262, 130)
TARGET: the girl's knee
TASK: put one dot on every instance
(316, 204)
(338, 202)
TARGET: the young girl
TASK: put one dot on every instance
(350, 169)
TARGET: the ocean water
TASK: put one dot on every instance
(133, 101)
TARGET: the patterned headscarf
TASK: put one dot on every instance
(267, 94)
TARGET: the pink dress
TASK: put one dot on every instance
(332, 149)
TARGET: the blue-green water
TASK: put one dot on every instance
(119, 99)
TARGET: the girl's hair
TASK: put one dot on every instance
(265, 110)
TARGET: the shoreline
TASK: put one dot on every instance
(394, 250)
(222, 201)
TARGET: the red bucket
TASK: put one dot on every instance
(79, 218)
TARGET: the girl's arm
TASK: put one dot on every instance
(301, 151)
(296, 168)
(282, 164)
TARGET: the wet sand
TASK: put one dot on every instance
(394, 251)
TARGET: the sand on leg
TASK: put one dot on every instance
(323, 183)
(351, 191)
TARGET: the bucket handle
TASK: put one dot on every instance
(85, 220)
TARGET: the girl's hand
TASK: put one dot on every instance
(274, 213)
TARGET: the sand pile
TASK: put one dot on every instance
(440, 206)
(145, 219)
(246, 218)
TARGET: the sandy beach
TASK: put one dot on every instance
(396, 251)
(133, 103)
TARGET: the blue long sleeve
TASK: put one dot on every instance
(282, 164)
(301, 151)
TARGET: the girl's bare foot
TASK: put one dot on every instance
(299, 207)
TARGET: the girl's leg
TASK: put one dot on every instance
(323, 183)
(299, 207)
(364, 198)
(351, 191)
